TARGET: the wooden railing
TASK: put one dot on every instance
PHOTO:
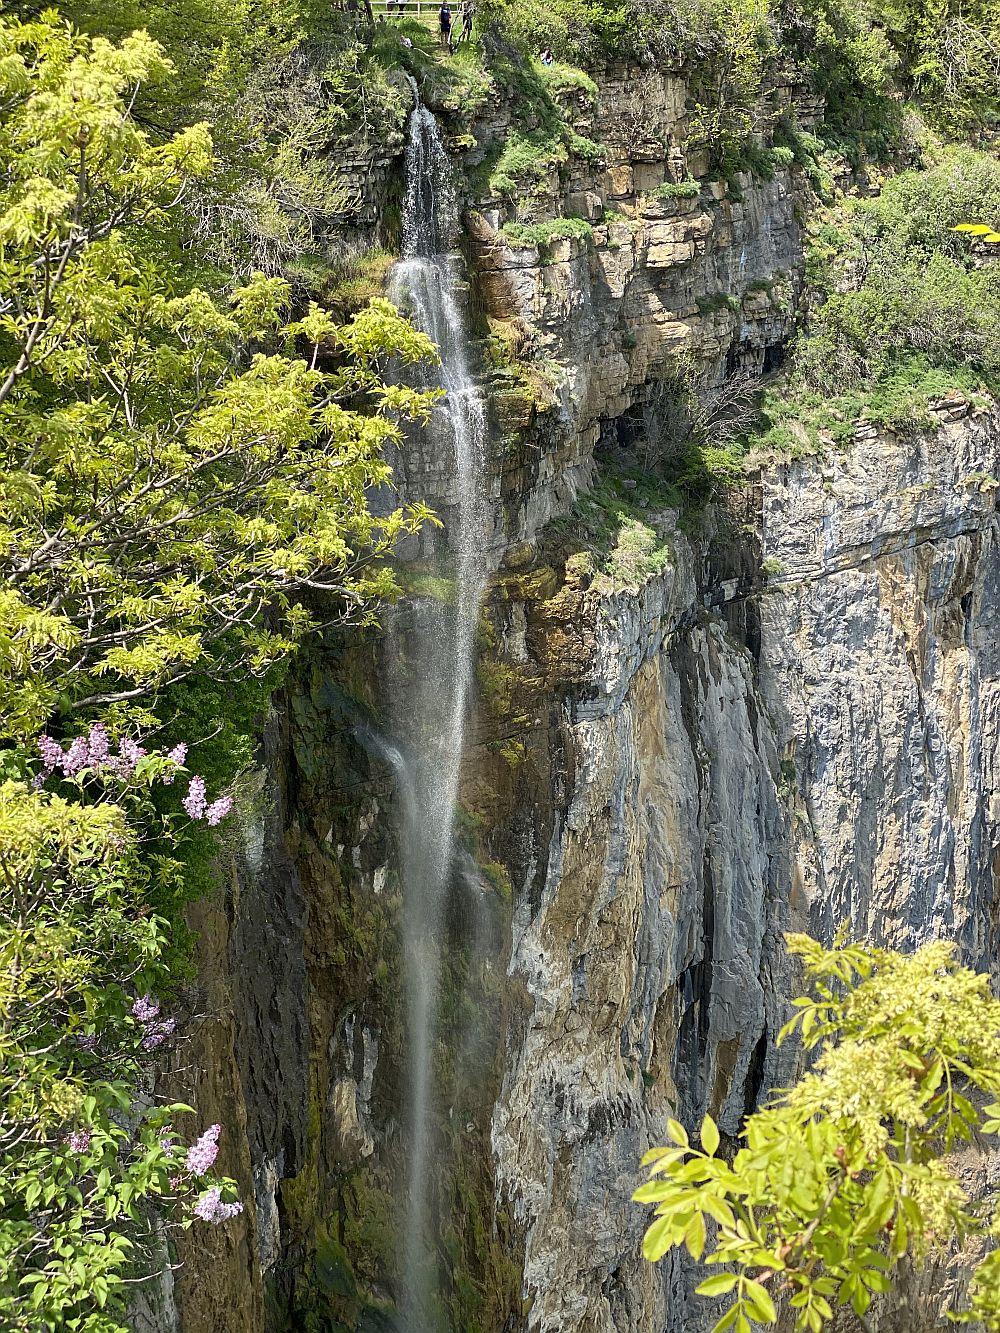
(424, 10)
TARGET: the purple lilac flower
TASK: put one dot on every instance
(218, 810)
(194, 802)
(202, 1154)
(176, 756)
(98, 746)
(210, 1207)
(146, 1009)
(176, 1182)
(156, 1033)
(51, 752)
(130, 752)
(78, 1140)
(77, 757)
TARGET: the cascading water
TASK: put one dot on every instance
(438, 654)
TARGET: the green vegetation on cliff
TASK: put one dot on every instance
(903, 309)
(845, 1178)
(854, 55)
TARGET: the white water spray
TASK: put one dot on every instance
(439, 654)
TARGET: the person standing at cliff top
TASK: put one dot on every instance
(444, 18)
(466, 34)
(546, 56)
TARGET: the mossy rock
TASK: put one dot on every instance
(537, 585)
(515, 410)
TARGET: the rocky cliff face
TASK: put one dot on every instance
(741, 760)
(675, 757)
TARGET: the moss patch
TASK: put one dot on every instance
(615, 535)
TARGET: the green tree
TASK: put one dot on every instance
(733, 45)
(81, 1160)
(176, 474)
(845, 1175)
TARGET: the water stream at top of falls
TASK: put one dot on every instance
(432, 697)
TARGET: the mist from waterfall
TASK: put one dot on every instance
(433, 694)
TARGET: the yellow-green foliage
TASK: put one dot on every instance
(181, 459)
(542, 234)
(638, 553)
(845, 1175)
(512, 752)
(526, 160)
(162, 484)
(349, 283)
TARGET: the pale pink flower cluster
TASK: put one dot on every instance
(176, 756)
(93, 752)
(202, 1155)
(210, 1207)
(78, 1140)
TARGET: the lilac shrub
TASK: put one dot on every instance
(202, 1155)
(153, 1033)
(210, 1207)
(120, 773)
(90, 756)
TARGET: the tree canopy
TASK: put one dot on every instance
(175, 472)
(184, 459)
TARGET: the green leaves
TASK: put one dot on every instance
(677, 1133)
(709, 1136)
(717, 1285)
(843, 1175)
(759, 1304)
(186, 463)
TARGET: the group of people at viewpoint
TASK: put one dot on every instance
(445, 22)
(446, 26)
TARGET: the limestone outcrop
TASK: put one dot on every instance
(814, 750)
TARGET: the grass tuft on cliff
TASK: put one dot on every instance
(615, 533)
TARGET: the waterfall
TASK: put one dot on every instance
(433, 695)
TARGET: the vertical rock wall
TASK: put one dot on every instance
(831, 760)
